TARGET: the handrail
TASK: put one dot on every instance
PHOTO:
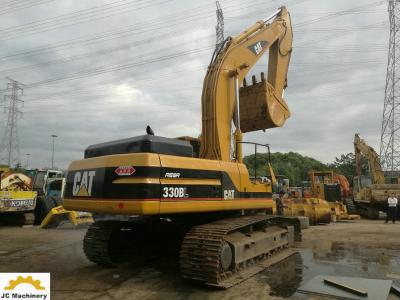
(255, 153)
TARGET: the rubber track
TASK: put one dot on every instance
(200, 252)
(96, 242)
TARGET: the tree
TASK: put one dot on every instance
(292, 165)
(345, 164)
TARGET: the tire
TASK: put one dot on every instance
(55, 200)
(13, 219)
(43, 206)
(29, 218)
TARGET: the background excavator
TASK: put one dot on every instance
(371, 190)
(17, 200)
(149, 189)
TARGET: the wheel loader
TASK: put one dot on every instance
(150, 189)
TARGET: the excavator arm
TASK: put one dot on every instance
(362, 149)
(261, 105)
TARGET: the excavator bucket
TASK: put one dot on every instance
(260, 107)
(58, 214)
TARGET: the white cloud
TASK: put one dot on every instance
(336, 77)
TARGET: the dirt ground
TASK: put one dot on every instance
(358, 248)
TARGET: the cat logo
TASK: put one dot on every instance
(258, 47)
(83, 182)
(229, 194)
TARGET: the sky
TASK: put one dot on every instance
(101, 70)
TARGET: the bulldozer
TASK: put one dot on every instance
(149, 189)
(17, 200)
(371, 190)
(300, 202)
(321, 199)
(332, 187)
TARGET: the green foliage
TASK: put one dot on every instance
(292, 165)
(295, 166)
(345, 165)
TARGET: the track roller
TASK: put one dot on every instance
(228, 251)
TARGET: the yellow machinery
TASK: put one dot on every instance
(298, 201)
(324, 186)
(59, 214)
(17, 200)
(370, 191)
(321, 201)
(4, 169)
(221, 218)
(318, 211)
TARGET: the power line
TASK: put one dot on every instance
(81, 17)
(304, 64)
(103, 52)
(143, 27)
(23, 5)
(90, 15)
(339, 13)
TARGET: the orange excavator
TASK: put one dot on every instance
(152, 189)
(345, 188)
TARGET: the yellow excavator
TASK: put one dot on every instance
(148, 189)
(370, 191)
(17, 200)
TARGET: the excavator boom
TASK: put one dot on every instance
(261, 105)
(362, 149)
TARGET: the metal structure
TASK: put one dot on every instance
(53, 136)
(220, 26)
(390, 132)
(9, 148)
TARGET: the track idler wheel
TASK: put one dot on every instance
(226, 257)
